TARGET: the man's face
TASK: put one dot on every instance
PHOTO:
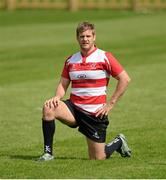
(86, 40)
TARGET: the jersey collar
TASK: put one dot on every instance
(85, 56)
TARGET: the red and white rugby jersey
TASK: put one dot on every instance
(89, 76)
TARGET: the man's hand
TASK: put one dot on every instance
(103, 111)
(53, 102)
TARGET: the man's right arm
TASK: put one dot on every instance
(59, 94)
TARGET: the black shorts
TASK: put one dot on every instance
(92, 127)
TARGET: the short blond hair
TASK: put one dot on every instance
(83, 26)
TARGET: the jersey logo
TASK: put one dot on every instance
(81, 76)
(93, 66)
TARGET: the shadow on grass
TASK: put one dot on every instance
(35, 158)
(23, 157)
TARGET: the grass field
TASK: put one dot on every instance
(33, 47)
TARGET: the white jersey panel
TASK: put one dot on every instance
(99, 91)
(76, 58)
(97, 56)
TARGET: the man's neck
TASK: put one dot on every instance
(85, 52)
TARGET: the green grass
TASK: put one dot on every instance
(33, 47)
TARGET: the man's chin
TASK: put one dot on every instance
(86, 48)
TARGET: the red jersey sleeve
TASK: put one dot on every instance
(115, 68)
(65, 71)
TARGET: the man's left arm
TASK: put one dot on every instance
(123, 81)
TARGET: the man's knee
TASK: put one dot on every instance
(98, 157)
(96, 150)
(48, 113)
(101, 157)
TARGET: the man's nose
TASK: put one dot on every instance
(85, 38)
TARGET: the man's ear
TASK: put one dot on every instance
(94, 37)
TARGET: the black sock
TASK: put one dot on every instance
(115, 145)
(48, 133)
